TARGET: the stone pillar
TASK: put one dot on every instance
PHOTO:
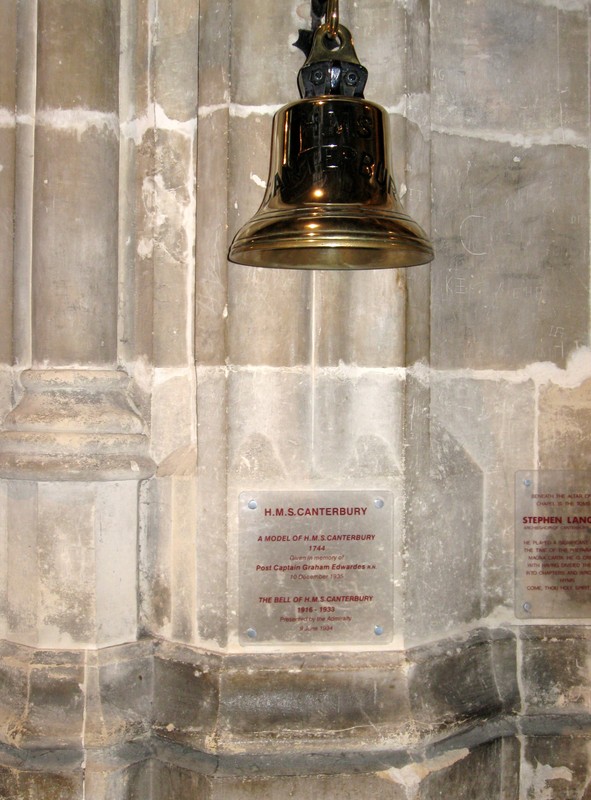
(74, 444)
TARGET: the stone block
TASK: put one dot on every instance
(174, 59)
(443, 537)
(268, 316)
(519, 67)
(304, 787)
(380, 38)
(71, 578)
(418, 21)
(168, 240)
(138, 227)
(211, 294)
(565, 427)
(416, 175)
(475, 775)
(249, 149)
(105, 780)
(494, 421)
(187, 697)
(75, 253)
(343, 333)
(42, 698)
(556, 767)
(7, 178)
(215, 36)
(510, 279)
(555, 670)
(160, 265)
(18, 784)
(211, 539)
(8, 38)
(450, 683)
(358, 424)
(270, 426)
(13, 693)
(119, 692)
(264, 64)
(168, 561)
(172, 782)
(172, 420)
(78, 55)
(268, 310)
(336, 703)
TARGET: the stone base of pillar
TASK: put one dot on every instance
(155, 720)
(74, 425)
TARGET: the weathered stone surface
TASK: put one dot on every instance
(320, 787)
(380, 39)
(444, 527)
(7, 177)
(172, 420)
(75, 257)
(74, 425)
(510, 279)
(349, 445)
(166, 238)
(77, 590)
(565, 427)
(210, 540)
(170, 782)
(264, 65)
(107, 782)
(555, 766)
(448, 685)
(187, 699)
(474, 776)
(339, 707)
(518, 67)
(8, 37)
(174, 59)
(119, 690)
(211, 294)
(555, 670)
(79, 54)
(168, 564)
(20, 784)
(343, 333)
(494, 421)
(42, 698)
(264, 405)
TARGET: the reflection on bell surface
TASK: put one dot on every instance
(331, 201)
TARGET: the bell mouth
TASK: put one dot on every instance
(331, 237)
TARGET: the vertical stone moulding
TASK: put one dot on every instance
(73, 446)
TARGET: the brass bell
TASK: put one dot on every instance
(331, 200)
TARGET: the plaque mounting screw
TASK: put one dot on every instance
(527, 607)
(378, 630)
(252, 504)
(378, 502)
(251, 633)
(527, 482)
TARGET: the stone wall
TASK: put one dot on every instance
(145, 383)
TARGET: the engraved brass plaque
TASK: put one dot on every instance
(553, 544)
(316, 567)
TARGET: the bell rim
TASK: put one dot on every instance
(357, 237)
